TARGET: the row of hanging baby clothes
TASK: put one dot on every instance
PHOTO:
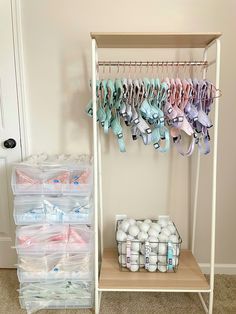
(157, 111)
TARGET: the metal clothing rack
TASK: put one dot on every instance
(152, 63)
(190, 278)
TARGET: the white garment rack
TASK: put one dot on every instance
(189, 277)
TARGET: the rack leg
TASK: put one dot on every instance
(195, 202)
(197, 178)
(214, 178)
(100, 192)
(97, 307)
(95, 166)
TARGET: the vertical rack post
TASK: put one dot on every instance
(95, 169)
(214, 178)
(197, 177)
(100, 192)
(214, 186)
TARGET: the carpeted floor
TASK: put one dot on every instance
(132, 303)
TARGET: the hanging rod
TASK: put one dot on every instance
(152, 63)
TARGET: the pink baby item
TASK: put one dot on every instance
(169, 111)
(53, 236)
(75, 237)
(23, 178)
(182, 88)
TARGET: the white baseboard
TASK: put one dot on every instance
(227, 269)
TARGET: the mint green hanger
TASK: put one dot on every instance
(125, 95)
(135, 102)
(165, 136)
(117, 130)
(89, 107)
(152, 88)
(148, 111)
(118, 93)
(101, 111)
(162, 95)
(160, 131)
(110, 91)
(146, 83)
(128, 102)
(154, 110)
(157, 87)
(115, 106)
(156, 138)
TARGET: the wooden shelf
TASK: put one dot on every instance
(188, 277)
(154, 40)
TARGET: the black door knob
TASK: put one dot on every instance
(10, 143)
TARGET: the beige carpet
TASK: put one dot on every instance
(132, 303)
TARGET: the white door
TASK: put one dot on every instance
(9, 129)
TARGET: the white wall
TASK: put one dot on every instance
(141, 183)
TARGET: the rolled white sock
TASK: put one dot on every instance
(124, 225)
(131, 221)
(122, 260)
(153, 242)
(142, 236)
(134, 256)
(121, 235)
(141, 260)
(153, 232)
(173, 238)
(133, 230)
(144, 227)
(156, 226)
(162, 268)
(162, 249)
(134, 267)
(152, 268)
(163, 237)
(152, 258)
(166, 231)
(135, 246)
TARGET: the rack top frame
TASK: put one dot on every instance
(154, 40)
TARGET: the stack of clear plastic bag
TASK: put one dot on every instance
(49, 209)
(56, 295)
(55, 266)
(49, 238)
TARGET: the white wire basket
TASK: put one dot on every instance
(156, 253)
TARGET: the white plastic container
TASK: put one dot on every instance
(34, 306)
(56, 295)
(52, 179)
(47, 209)
(67, 266)
(49, 238)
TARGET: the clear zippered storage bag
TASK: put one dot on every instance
(48, 209)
